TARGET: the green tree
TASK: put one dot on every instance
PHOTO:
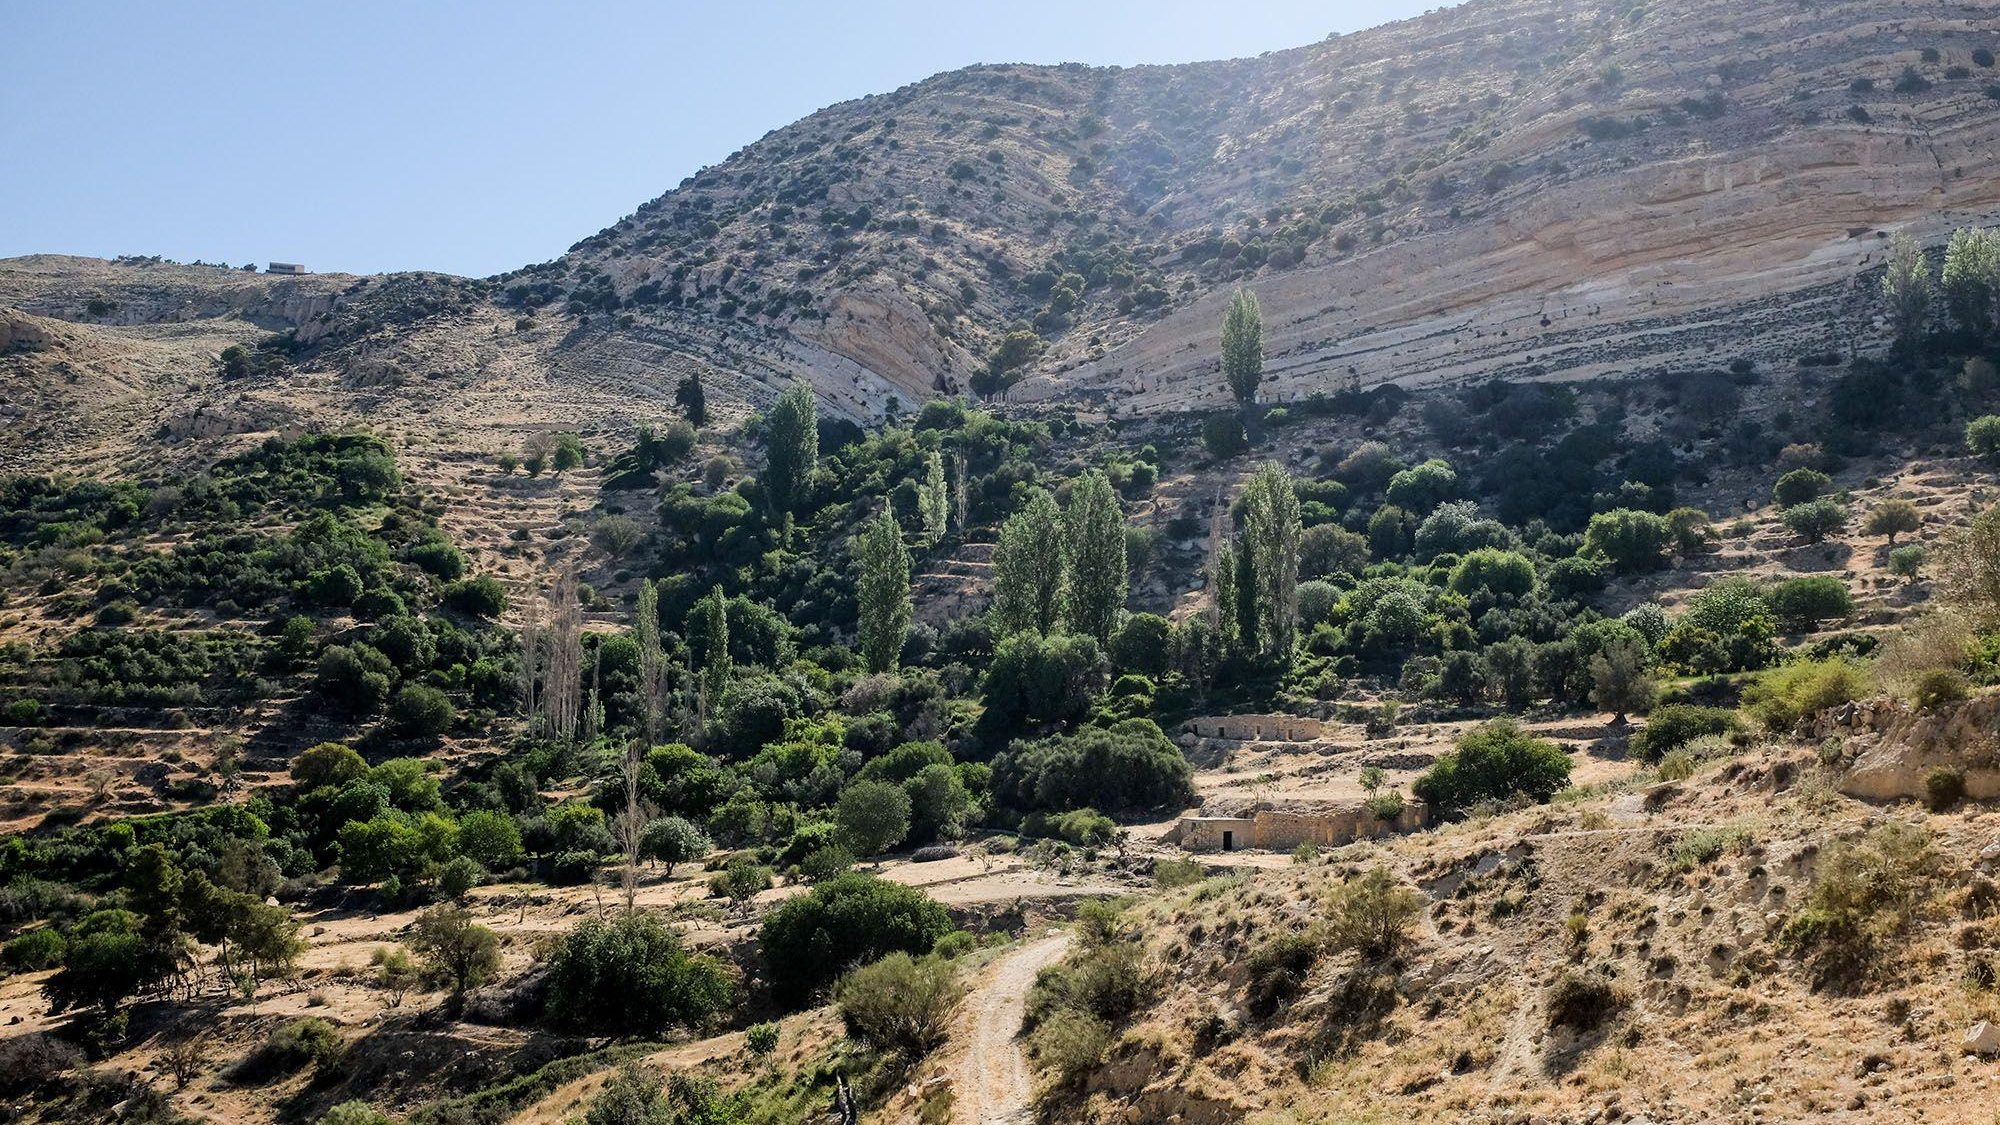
(1814, 520)
(882, 590)
(1094, 527)
(1802, 605)
(1143, 644)
(631, 976)
(1243, 346)
(713, 612)
(1620, 681)
(791, 440)
(454, 948)
(1223, 437)
(1799, 486)
(1972, 278)
(940, 804)
(1423, 487)
(853, 919)
(934, 499)
(1982, 437)
(1494, 761)
(421, 711)
(489, 838)
(692, 399)
(674, 840)
(1907, 290)
(1892, 518)
(874, 816)
(328, 763)
(1272, 531)
(1030, 564)
(1632, 540)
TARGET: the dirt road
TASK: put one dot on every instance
(992, 1082)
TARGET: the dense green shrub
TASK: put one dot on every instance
(1494, 762)
(1144, 644)
(1131, 767)
(420, 711)
(35, 950)
(808, 941)
(1675, 725)
(630, 976)
(1982, 436)
(1815, 520)
(1799, 486)
(1223, 437)
(1633, 541)
(480, 596)
(1037, 679)
(1804, 604)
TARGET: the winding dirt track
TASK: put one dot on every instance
(992, 1083)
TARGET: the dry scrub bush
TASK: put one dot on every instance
(900, 1003)
(1370, 913)
(1908, 660)
(1864, 893)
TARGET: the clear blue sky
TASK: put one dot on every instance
(476, 137)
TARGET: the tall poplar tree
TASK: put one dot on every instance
(883, 591)
(653, 681)
(1243, 346)
(1272, 531)
(1095, 532)
(933, 499)
(715, 668)
(791, 439)
(1028, 568)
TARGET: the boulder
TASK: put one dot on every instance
(1982, 1039)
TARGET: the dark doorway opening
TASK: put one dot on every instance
(1228, 841)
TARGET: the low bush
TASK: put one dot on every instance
(1779, 698)
(1675, 725)
(900, 1003)
(1278, 970)
(1944, 787)
(1371, 913)
(35, 950)
(302, 1042)
(1865, 892)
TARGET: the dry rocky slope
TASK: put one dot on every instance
(1520, 188)
(1508, 187)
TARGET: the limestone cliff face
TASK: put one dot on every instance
(1526, 188)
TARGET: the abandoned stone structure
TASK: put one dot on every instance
(1258, 728)
(1285, 828)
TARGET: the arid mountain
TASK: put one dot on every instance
(1505, 188)
(1518, 188)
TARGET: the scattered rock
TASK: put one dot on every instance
(1983, 1039)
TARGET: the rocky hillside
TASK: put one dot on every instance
(1515, 187)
